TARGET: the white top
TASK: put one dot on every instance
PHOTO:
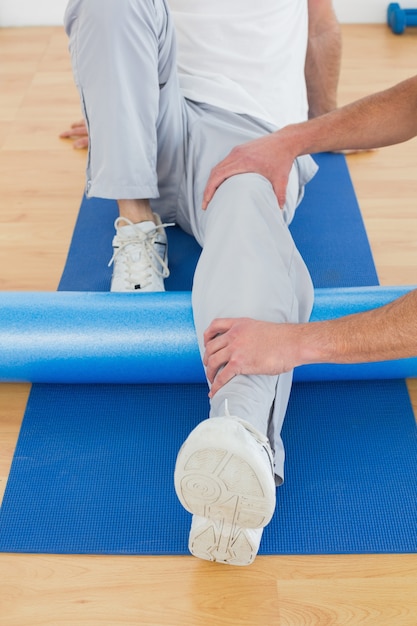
(246, 56)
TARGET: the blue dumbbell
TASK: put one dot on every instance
(398, 18)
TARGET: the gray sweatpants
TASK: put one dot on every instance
(148, 141)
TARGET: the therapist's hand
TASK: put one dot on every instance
(268, 156)
(245, 346)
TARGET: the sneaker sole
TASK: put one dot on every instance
(224, 543)
(225, 483)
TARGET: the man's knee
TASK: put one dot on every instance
(247, 195)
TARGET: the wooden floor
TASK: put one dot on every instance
(41, 184)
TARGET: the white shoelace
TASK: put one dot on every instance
(149, 257)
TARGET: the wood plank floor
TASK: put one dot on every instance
(41, 184)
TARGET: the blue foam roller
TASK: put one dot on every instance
(98, 337)
(88, 337)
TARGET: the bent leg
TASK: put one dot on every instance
(123, 54)
(250, 267)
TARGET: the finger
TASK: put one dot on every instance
(79, 131)
(215, 360)
(218, 326)
(213, 183)
(280, 189)
(223, 170)
(73, 133)
(211, 373)
(223, 376)
(79, 123)
(81, 144)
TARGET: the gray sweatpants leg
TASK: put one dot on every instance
(249, 266)
(123, 55)
(146, 141)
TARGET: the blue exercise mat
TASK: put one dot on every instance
(93, 467)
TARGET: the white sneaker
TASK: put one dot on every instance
(215, 540)
(224, 476)
(140, 256)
